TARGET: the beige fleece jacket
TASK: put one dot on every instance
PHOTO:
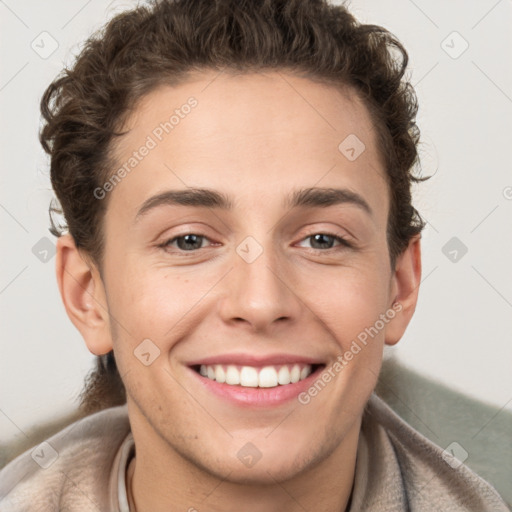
(82, 468)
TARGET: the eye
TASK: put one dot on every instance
(188, 242)
(325, 241)
(191, 242)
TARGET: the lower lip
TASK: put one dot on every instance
(262, 397)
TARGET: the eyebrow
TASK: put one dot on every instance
(324, 197)
(199, 197)
(207, 198)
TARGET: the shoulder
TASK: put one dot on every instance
(68, 471)
(431, 478)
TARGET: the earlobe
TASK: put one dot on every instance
(83, 294)
(404, 290)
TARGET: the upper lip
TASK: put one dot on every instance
(255, 360)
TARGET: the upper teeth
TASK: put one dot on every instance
(249, 376)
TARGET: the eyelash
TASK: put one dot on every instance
(342, 241)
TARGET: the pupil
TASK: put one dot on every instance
(322, 238)
(186, 241)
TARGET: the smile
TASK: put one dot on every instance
(257, 377)
(250, 380)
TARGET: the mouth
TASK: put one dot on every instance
(270, 376)
(257, 385)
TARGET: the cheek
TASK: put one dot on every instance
(153, 303)
(350, 302)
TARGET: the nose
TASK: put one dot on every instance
(259, 293)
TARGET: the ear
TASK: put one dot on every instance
(405, 284)
(83, 295)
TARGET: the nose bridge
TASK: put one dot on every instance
(258, 291)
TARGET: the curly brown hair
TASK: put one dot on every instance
(166, 40)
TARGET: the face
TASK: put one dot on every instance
(265, 270)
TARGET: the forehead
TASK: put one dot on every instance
(265, 132)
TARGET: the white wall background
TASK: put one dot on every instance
(460, 334)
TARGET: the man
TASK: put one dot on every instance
(235, 177)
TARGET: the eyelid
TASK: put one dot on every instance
(166, 243)
(342, 240)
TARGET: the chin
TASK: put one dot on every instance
(281, 462)
(267, 472)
